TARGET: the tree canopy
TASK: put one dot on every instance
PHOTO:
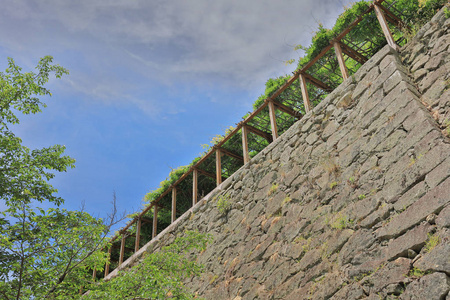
(159, 275)
(44, 254)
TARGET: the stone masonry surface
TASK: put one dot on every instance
(352, 202)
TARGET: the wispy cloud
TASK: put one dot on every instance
(232, 44)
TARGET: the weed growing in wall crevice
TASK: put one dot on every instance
(416, 273)
(272, 189)
(333, 185)
(432, 242)
(223, 204)
(341, 222)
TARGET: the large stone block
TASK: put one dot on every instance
(412, 240)
(430, 203)
(433, 287)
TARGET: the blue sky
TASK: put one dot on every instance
(150, 81)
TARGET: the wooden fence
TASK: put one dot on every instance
(342, 51)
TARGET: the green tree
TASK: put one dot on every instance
(24, 174)
(43, 254)
(159, 276)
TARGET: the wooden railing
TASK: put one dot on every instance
(383, 15)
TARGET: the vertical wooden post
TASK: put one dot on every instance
(194, 187)
(305, 94)
(94, 274)
(218, 167)
(340, 58)
(174, 204)
(273, 120)
(138, 235)
(384, 26)
(122, 249)
(155, 220)
(108, 262)
(245, 144)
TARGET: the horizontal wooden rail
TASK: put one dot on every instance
(260, 133)
(231, 154)
(288, 110)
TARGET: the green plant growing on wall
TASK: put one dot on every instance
(417, 13)
(352, 182)
(433, 241)
(324, 253)
(362, 196)
(416, 272)
(286, 200)
(307, 246)
(272, 189)
(341, 222)
(447, 126)
(223, 204)
(447, 12)
(333, 185)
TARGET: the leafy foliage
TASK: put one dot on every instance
(43, 253)
(432, 241)
(49, 254)
(24, 173)
(159, 275)
(223, 204)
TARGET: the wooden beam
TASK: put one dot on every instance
(273, 120)
(164, 207)
(259, 132)
(317, 82)
(305, 94)
(353, 54)
(231, 154)
(126, 248)
(384, 26)
(209, 174)
(155, 221)
(146, 220)
(122, 249)
(115, 246)
(393, 18)
(194, 187)
(108, 262)
(341, 60)
(218, 166)
(206, 173)
(138, 235)
(174, 204)
(245, 144)
(288, 110)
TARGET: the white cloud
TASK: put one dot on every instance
(228, 43)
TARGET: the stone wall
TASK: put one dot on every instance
(352, 202)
